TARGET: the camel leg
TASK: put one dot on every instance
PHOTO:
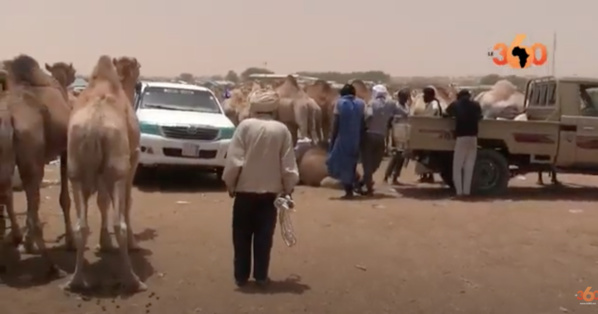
(293, 129)
(318, 126)
(31, 177)
(65, 204)
(132, 243)
(120, 201)
(34, 227)
(310, 126)
(5, 203)
(15, 229)
(103, 201)
(81, 198)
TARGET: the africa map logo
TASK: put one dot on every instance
(517, 55)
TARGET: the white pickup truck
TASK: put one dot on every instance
(182, 125)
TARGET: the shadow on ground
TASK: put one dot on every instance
(569, 192)
(291, 284)
(178, 180)
(26, 271)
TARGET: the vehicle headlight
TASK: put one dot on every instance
(226, 133)
(149, 128)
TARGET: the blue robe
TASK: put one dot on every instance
(344, 153)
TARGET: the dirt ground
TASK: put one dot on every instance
(413, 251)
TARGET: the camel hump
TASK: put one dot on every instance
(291, 80)
(24, 70)
(105, 71)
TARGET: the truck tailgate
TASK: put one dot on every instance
(437, 134)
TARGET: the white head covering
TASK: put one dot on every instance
(380, 91)
(263, 101)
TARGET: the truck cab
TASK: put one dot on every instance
(560, 132)
(181, 125)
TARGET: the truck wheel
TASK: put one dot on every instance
(491, 173)
(144, 173)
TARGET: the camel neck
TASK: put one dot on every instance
(129, 88)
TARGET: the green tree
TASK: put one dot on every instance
(490, 79)
(186, 77)
(232, 76)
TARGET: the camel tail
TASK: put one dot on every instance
(89, 147)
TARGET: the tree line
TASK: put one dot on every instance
(373, 75)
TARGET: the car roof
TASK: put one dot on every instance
(176, 85)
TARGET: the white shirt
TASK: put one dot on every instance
(432, 108)
(261, 158)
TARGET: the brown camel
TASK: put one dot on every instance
(103, 153)
(40, 125)
(312, 166)
(7, 164)
(65, 76)
(128, 69)
(326, 97)
(295, 110)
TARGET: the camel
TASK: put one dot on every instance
(296, 109)
(7, 163)
(326, 98)
(40, 116)
(64, 74)
(128, 70)
(235, 105)
(501, 101)
(103, 153)
(312, 166)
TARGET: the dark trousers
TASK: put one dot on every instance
(254, 222)
(395, 166)
(371, 156)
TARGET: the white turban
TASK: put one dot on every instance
(263, 100)
(380, 91)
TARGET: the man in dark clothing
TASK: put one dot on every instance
(396, 163)
(467, 114)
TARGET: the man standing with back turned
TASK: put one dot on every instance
(380, 110)
(467, 114)
(260, 166)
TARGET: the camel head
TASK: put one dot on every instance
(127, 69)
(361, 90)
(62, 72)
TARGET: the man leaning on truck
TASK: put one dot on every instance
(467, 114)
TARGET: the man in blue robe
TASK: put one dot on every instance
(347, 132)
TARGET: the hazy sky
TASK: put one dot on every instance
(211, 37)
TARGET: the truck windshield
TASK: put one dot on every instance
(179, 99)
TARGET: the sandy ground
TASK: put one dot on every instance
(413, 251)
